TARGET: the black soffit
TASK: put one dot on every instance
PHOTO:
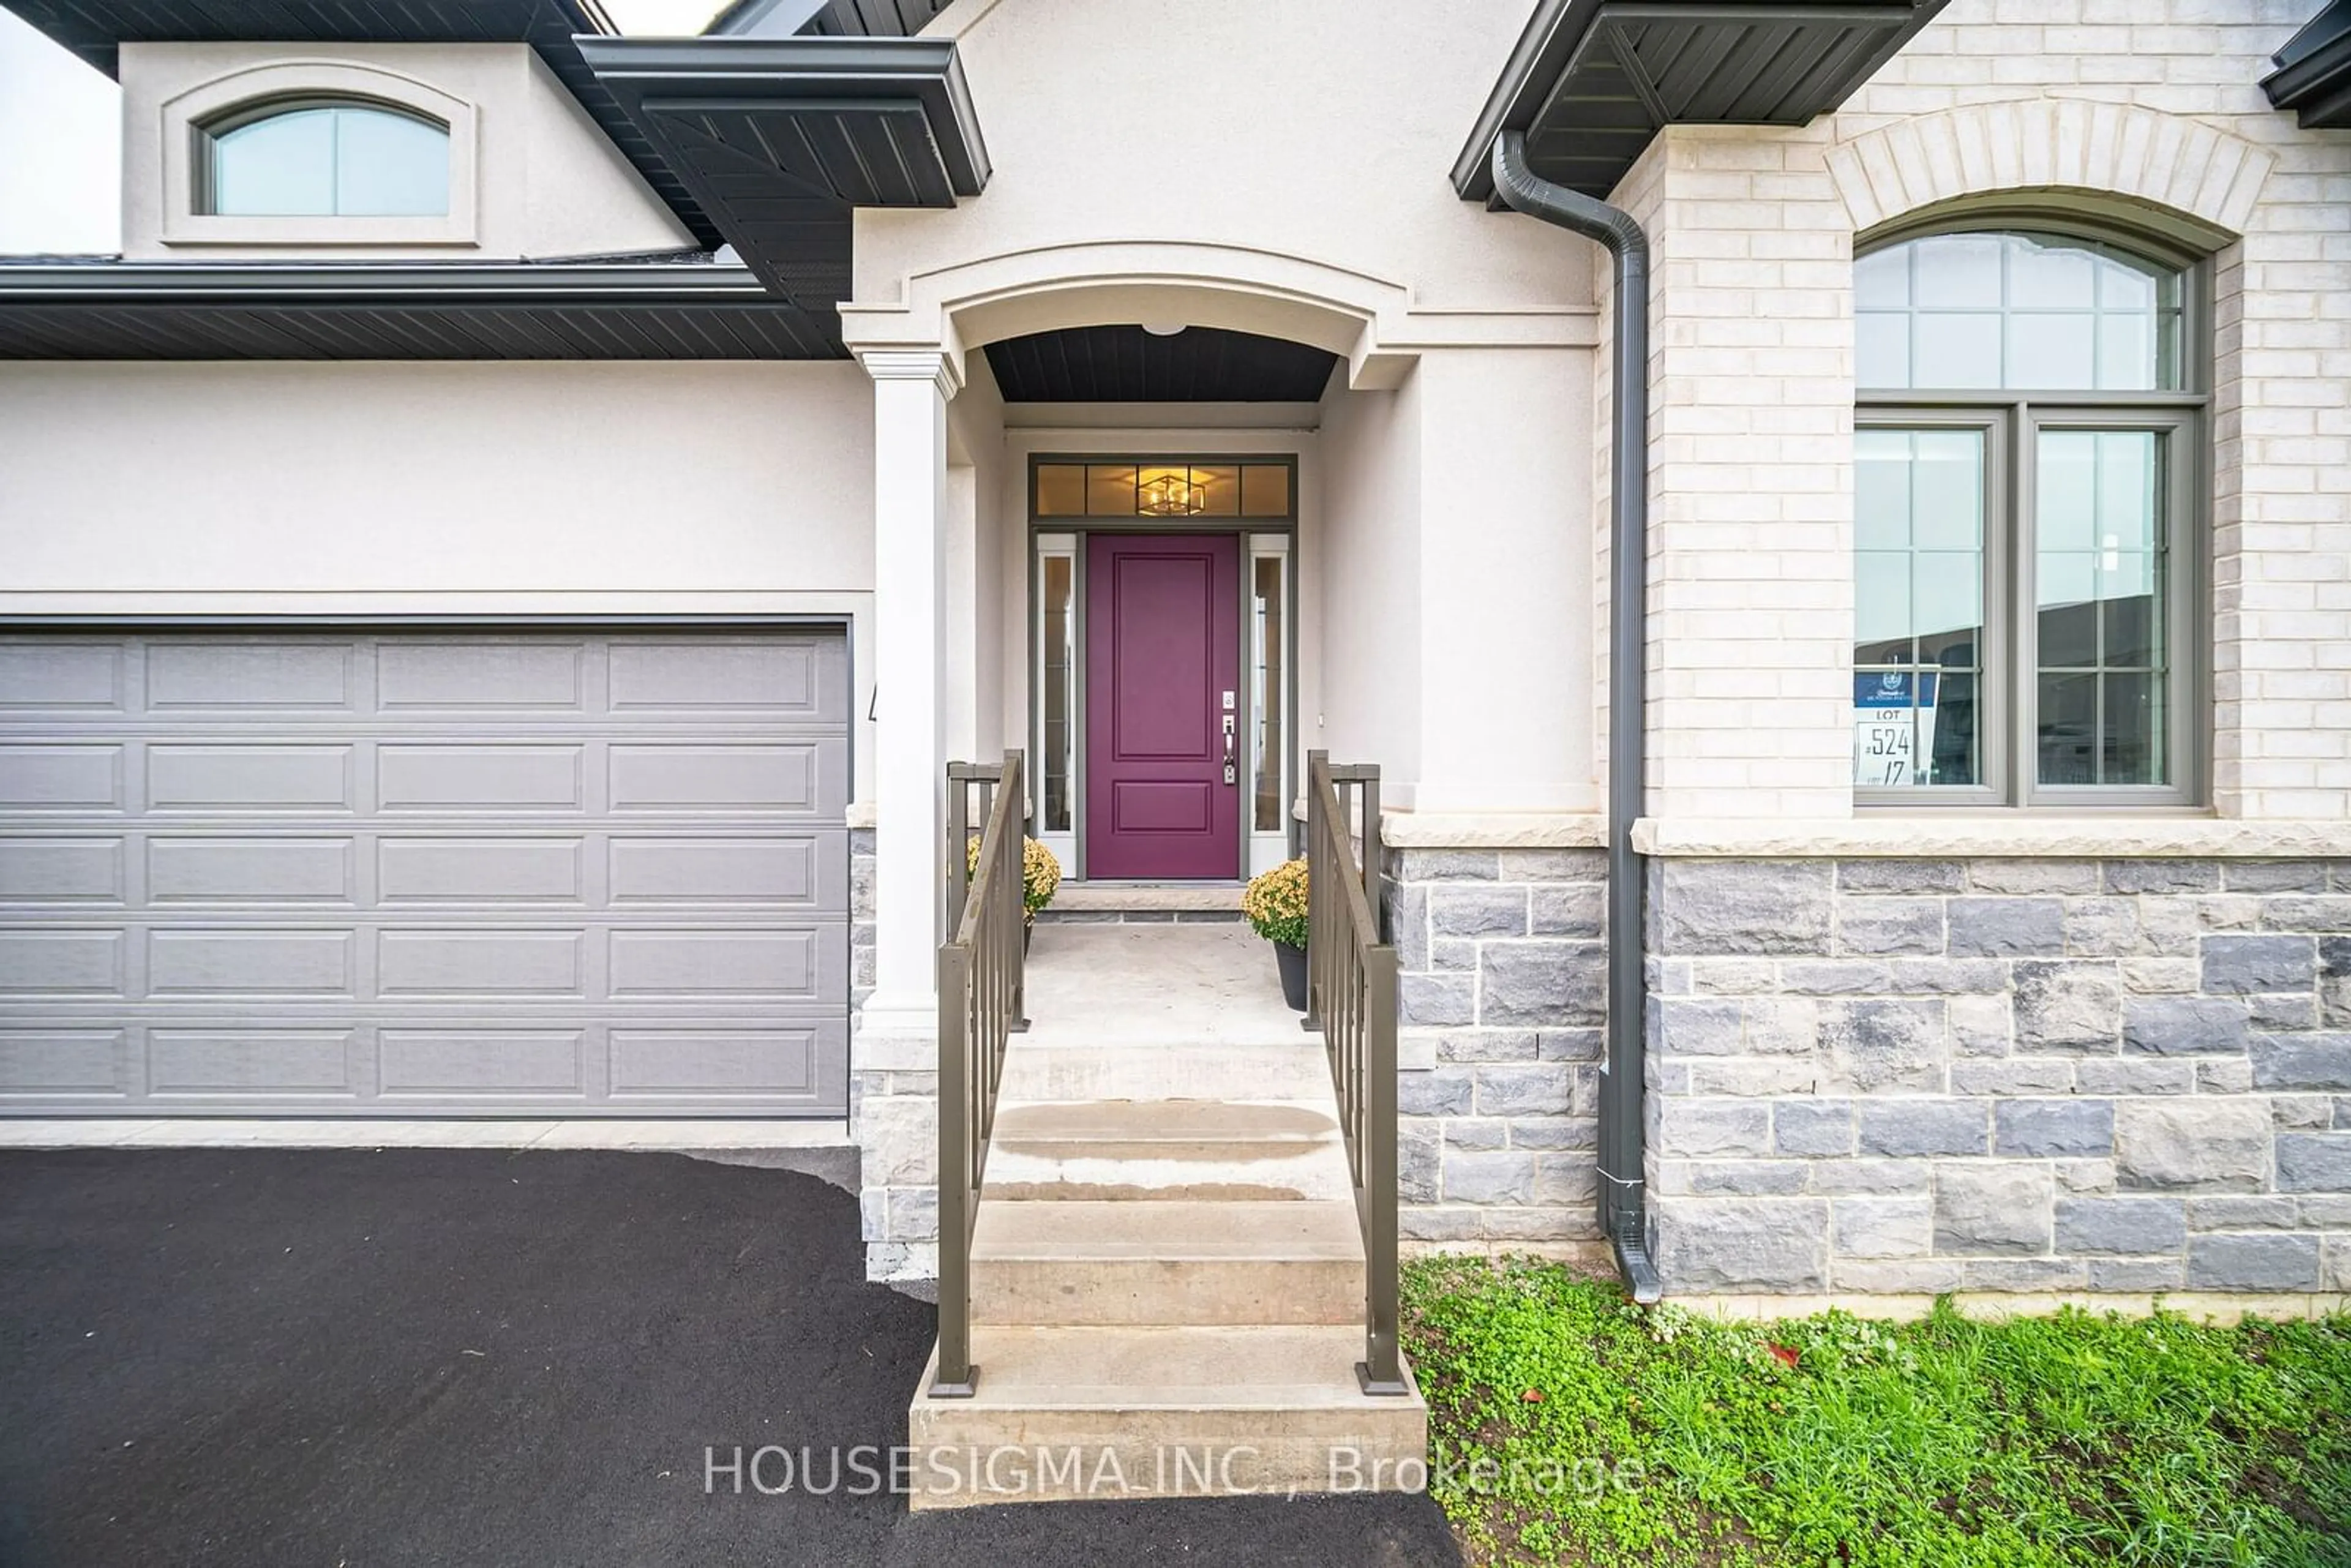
(105, 310)
(1127, 364)
(780, 140)
(1591, 82)
(2314, 74)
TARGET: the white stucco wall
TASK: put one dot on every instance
(987, 556)
(1504, 582)
(1362, 585)
(456, 483)
(130, 490)
(1311, 128)
(546, 182)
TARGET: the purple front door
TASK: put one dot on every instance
(1163, 674)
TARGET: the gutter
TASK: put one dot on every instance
(438, 284)
(1624, 1215)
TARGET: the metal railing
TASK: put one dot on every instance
(980, 996)
(1351, 998)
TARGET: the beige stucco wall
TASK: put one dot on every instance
(546, 182)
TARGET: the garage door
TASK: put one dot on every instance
(470, 874)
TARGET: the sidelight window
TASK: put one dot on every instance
(1057, 680)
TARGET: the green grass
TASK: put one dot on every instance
(1568, 1426)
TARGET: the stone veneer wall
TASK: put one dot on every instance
(2009, 1075)
(1502, 991)
(893, 1111)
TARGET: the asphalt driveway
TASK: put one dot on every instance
(487, 1357)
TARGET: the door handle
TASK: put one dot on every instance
(1232, 767)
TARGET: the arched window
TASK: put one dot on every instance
(324, 158)
(2027, 529)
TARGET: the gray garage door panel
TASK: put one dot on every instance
(431, 875)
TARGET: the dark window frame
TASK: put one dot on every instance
(2009, 699)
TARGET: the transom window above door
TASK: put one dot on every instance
(2028, 531)
(1162, 490)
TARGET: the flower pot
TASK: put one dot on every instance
(1292, 961)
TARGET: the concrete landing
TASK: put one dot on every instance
(1154, 984)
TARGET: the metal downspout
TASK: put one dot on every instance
(1623, 1210)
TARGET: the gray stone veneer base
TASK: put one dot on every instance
(1880, 1076)
(893, 1110)
(1503, 992)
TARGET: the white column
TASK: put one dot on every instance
(911, 389)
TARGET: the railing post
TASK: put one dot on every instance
(1016, 781)
(1374, 866)
(958, 1377)
(1317, 770)
(1380, 1371)
(958, 867)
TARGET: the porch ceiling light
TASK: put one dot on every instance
(1162, 329)
(1171, 496)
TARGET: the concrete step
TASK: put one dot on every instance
(1164, 1412)
(1149, 1262)
(1167, 1149)
(1293, 1068)
(1085, 901)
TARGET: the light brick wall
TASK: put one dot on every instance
(1750, 595)
(1750, 520)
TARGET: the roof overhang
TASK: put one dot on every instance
(778, 140)
(95, 30)
(1592, 83)
(2314, 74)
(428, 310)
(828, 19)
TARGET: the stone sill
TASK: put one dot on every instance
(1493, 831)
(1926, 837)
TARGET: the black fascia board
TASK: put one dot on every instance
(95, 309)
(2314, 74)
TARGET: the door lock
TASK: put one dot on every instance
(1232, 774)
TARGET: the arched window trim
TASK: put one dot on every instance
(252, 111)
(256, 111)
(2012, 422)
(240, 96)
(2162, 239)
